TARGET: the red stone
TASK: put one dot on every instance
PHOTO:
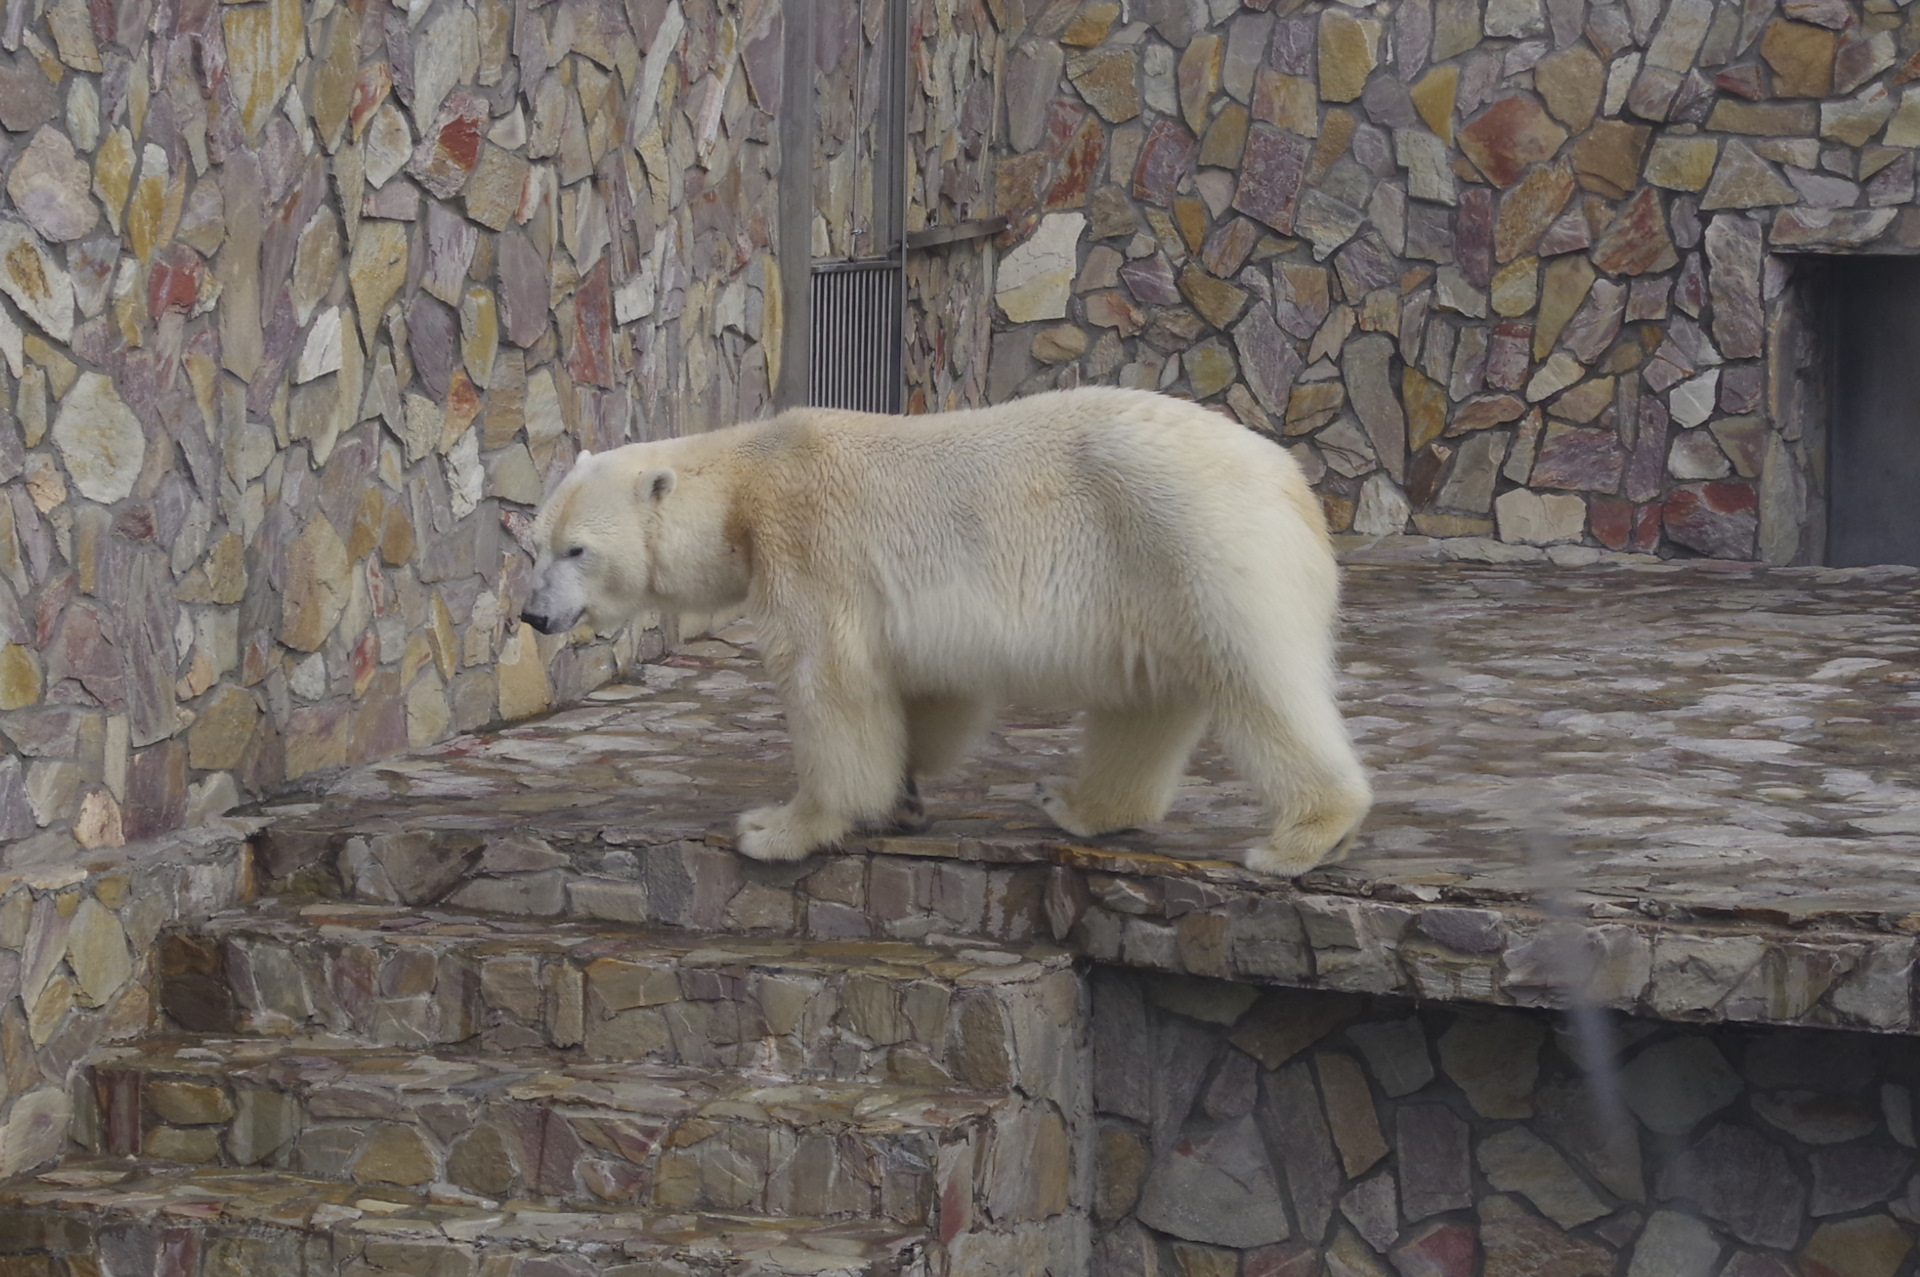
(1743, 81)
(1473, 243)
(1288, 1260)
(1509, 354)
(1646, 529)
(1717, 519)
(1637, 241)
(1079, 158)
(591, 358)
(450, 151)
(1438, 1250)
(1510, 135)
(174, 283)
(1579, 459)
(1612, 521)
(1166, 158)
(369, 91)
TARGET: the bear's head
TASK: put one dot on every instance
(591, 542)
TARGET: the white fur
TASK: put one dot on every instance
(1120, 552)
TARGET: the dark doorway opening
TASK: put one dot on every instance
(1873, 511)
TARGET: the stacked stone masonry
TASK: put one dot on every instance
(304, 306)
(1527, 273)
(512, 1006)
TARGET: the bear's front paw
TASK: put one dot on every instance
(772, 833)
(1055, 798)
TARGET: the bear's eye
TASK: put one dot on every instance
(576, 551)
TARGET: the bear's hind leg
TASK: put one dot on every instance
(850, 749)
(1131, 762)
(1293, 748)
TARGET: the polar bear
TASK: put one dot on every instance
(1124, 553)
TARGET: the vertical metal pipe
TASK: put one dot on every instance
(795, 195)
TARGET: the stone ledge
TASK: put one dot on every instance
(1676, 791)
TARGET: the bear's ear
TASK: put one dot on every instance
(656, 484)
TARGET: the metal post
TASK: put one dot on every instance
(796, 204)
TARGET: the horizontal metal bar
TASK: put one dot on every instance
(935, 236)
(890, 260)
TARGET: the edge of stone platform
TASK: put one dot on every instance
(77, 964)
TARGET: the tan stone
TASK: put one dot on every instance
(1350, 1111)
(1199, 78)
(181, 1103)
(1433, 98)
(315, 261)
(318, 583)
(1109, 81)
(1059, 344)
(1349, 50)
(1090, 26)
(219, 736)
(1904, 128)
(192, 1144)
(20, 678)
(1742, 179)
(1801, 56)
(1290, 102)
(1564, 286)
(479, 334)
(396, 1154)
(1607, 158)
(49, 185)
(1855, 120)
(100, 439)
(1516, 287)
(1682, 163)
(1571, 82)
(1766, 119)
(264, 43)
(98, 822)
(30, 275)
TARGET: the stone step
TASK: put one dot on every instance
(541, 1126)
(91, 1216)
(943, 1014)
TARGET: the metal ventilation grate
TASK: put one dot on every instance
(857, 308)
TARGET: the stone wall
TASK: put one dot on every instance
(1513, 269)
(305, 305)
(1283, 1133)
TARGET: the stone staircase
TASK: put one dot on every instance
(349, 1087)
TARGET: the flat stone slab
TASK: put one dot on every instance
(264, 1222)
(1681, 791)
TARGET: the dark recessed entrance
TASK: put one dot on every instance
(1874, 445)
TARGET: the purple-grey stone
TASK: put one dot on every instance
(1032, 75)
(1647, 466)
(1272, 169)
(1741, 1179)
(1473, 244)
(524, 288)
(1166, 157)
(27, 98)
(433, 339)
(1580, 459)
(1430, 232)
(1388, 101)
(1293, 44)
(1296, 1126)
(1268, 360)
(1435, 1172)
(1364, 265)
(1852, 1178)
(1597, 322)
(1741, 388)
(1217, 1189)
(1151, 281)
(1370, 390)
(1734, 260)
(1412, 37)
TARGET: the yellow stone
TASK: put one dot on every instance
(113, 174)
(1516, 287)
(377, 270)
(1349, 49)
(264, 42)
(1289, 102)
(149, 206)
(20, 682)
(1682, 163)
(1433, 97)
(1801, 56)
(479, 334)
(1426, 402)
(1090, 26)
(524, 687)
(1871, 1246)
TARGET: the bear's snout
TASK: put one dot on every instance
(538, 620)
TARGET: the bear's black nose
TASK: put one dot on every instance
(536, 620)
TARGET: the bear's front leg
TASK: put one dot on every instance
(849, 747)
